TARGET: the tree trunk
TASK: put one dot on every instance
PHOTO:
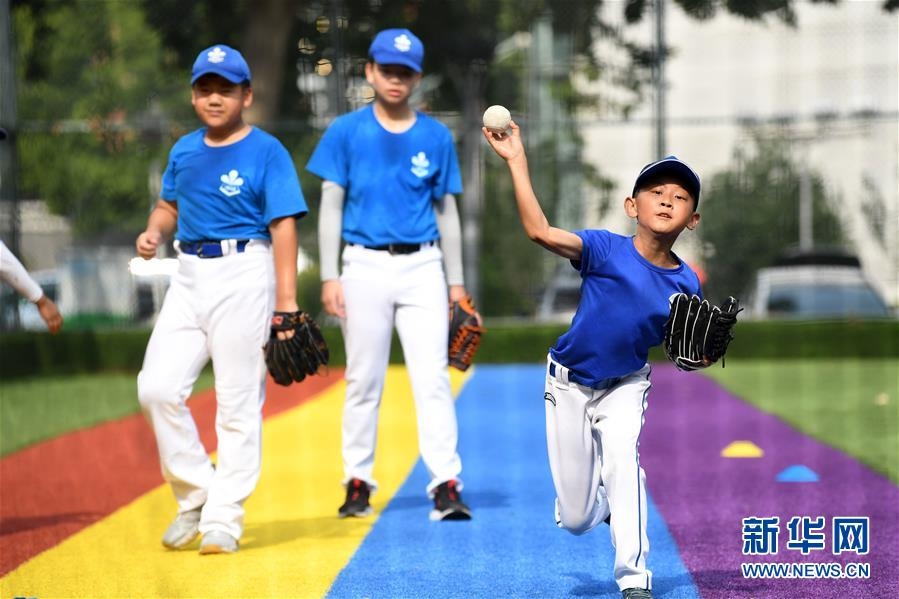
(266, 46)
(471, 79)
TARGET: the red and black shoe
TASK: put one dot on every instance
(448, 503)
(356, 504)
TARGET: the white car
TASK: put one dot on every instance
(815, 286)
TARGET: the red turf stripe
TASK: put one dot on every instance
(52, 490)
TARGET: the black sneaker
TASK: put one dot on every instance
(448, 503)
(636, 594)
(356, 504)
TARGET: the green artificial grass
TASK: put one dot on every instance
(37, 409)
(849, 404)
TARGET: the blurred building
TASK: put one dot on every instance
(832, 84)
(43, 236)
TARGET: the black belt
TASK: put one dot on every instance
(399, 248)
(209, 249)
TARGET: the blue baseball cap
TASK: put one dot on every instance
(670, 166)
(221, 60)
(397, 46)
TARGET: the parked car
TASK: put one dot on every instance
(18, 311)
(559, 300)
(819, 284)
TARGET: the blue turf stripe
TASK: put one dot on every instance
(512, 547)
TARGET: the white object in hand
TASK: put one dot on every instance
(497, 118)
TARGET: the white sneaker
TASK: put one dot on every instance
(216, 541)
(183, 530)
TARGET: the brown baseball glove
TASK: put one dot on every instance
(465, 333)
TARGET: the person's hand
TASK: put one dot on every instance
(458, 293)
(50, 313)
(332, 298)
(506, 144)
(287, 307)
(147, 243)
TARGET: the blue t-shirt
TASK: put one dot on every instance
(233, 191)
(622, 311)
(391, 179)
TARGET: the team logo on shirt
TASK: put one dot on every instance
(420, 164)
(231, 183)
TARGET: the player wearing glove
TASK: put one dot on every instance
(465, 331)
(231, 197)
(295, 349)
(597, 376)
(697, 333)
(389, 180)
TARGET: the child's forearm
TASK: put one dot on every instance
(13, 272)
(532, 217)
(284, 253)
(561, 242)
(162, 220)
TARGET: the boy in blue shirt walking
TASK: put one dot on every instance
(390, 175)
(231, 197)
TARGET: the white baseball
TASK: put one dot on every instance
(497, 118)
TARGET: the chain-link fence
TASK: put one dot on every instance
(828, 89)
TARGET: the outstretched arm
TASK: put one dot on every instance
(13, 272)
(510, 148)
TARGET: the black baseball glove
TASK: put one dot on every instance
(304, 353)
(697, 333)
(464, 333)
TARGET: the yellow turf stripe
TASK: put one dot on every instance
(293, 546)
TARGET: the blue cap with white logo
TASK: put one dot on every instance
(670, 166)
(397, 46)
(221, 60)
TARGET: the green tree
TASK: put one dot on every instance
(102, 92)
(750, 214)
(93, 99)
(261, 29)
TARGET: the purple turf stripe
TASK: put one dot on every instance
(704, 497)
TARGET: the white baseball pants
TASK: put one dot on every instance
(592, 438)
(217, 308)
(407, 290)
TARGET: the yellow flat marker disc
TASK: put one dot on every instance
(742, 449)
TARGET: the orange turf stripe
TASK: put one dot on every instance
(56, 488)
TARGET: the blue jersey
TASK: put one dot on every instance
(233, 191)
(622, 311)
(391, 179)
